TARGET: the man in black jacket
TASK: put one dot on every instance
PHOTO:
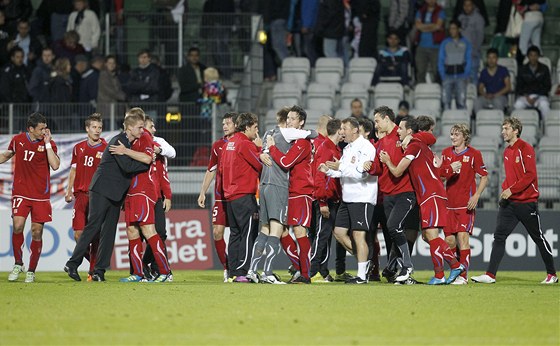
(106, 194)
(39, 82)
(368, 11)
(13, 81)
(144, 80)
(533, 84)
(191, 77)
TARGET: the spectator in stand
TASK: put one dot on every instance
(109, 87)
(218, 31)
(39, 82)
(190, 77)
(309, 9)
(86, 23)
(144, 80)
(69, 46)
(89, 84)
(531, 28)
(30, 44)
(394, 61)
(15, 11)
(330, 26)
(213, 92)
(533, 84)
(493, 84)
(13, 81)
(4, 39)
(368, 11)
(60, 85)
(276, 16)
(472, 28)
(404, 107)
(357, 109)
(52, 16)
(166, 90)
(430, 25)
(398, 20)
(454, 66)
(78, 69)
(479, 4)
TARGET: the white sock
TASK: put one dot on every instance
(362, 270)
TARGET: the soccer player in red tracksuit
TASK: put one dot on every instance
(300, 191)
(399, 200)
(328, 194)
(86, 156)
(460, 165)
(419, 161)
(518, 202)
(140, 210)
(240, 169)
(219, 211)
(35, 153)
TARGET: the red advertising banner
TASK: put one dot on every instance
(189, 241)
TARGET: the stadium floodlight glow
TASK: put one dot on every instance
(262, 37)
(174, 117)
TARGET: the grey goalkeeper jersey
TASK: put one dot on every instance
(275, 175)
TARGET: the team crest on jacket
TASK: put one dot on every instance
(466, 158)
(230, 146)
(99, 154)
(517, 159)
(353, 159)
(41, 148)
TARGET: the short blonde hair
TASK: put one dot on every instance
(211, 73)
(464, 129)
(135, 111)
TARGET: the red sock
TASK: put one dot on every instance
(375, 258)
(36, 247)
(93, 254)
(136, 253)
(449, 256)
(304, 253)
(17, 244)
(493, 276)
(465, 260)
(158, 249)
(221, 251)
(437, 257)
(290, 248)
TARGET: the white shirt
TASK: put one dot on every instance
(167, 149)
(357, 186)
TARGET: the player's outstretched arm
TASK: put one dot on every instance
(6, 155)
(208, 177)
(69, 193)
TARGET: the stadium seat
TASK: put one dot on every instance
(510, 64)
(388, 94)
(285, 94)
(488, 128)
(530, 120)
(296, 70)
(329, 71)
(416, 112)
(361, 71)
(548, 152)
(269, 121)
(427, 96)
(320, 97)
(313, 116)
(451, 117)
(351, 91)
(343, 113)
(472, 94)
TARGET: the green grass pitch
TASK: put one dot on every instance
(199, 309)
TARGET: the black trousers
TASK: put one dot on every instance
(509, 215)
(321, 237)
(243, 218)
(378, 218)
(102, 221)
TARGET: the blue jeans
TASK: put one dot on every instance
(454, 87)
(332, 47)
(474, 70)
(278, 34)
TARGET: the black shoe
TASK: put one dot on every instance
(98, 277)
(389, 275)
(301, 280)
(73, 273)
(356, 280)
(404, 274)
